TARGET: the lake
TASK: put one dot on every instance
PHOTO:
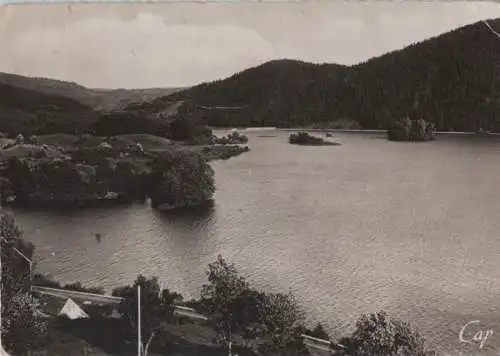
(410, 228)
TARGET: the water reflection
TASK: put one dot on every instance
(188, 230)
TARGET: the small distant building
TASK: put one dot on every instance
(105, 145)
(72, 310)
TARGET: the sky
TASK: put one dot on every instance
(132, 45)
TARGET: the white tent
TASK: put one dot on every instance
(72, 310)
(3, 352)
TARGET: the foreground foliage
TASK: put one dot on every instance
(22, 328)
(378, 335)
(282, 323)
(157, 307)
(222, 298)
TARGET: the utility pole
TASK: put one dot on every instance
(2, 352)
(139, 343)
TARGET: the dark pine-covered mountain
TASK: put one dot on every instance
(276, 93)
(451, 79)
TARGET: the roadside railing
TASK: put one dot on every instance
(109, 300)
(314, 342)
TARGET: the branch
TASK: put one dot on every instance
(148, 344)
(491, 29)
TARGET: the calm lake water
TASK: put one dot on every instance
(410, 228)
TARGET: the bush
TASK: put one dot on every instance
(77, 287)
(378, 335)
(234, 138)
(411, 130)
(303, 138)
(45, 281)
(318, 332)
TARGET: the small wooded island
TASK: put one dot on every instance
(304, 139)
(411, 130)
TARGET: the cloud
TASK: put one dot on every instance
(125, 45)
(358, 31)
(144, 51)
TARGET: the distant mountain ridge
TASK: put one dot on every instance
(98, 99)
(44, 106)
(32, 100)
(451, 79)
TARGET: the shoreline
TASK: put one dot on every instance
(257, 129)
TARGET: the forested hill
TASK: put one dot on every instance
(276, 93)
(29, 100)
(44, 106)
(30, 111)
(451, 79)
(98, 99)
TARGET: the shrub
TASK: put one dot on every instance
(411, 130)
(303, 138)
(318, 332)
(77, 287)
(45, 281)
(235, 137)
(378, 335)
